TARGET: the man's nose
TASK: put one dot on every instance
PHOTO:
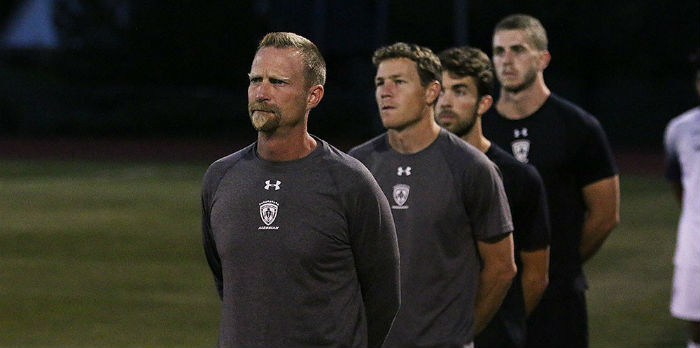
(444, 100)
(384, 90)
(261, 91)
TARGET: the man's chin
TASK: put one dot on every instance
(264, 122)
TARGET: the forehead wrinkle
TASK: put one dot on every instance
(278, 64)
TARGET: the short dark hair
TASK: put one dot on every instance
(315, 65)
(428, 64)
(470, 61)
(531, 25)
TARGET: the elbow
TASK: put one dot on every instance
(544, 283)
(615, 220)
(537, 283)
(611, 222)
(509, 271)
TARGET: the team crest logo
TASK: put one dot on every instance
(268, 213)
(401, 195)
(521, 148)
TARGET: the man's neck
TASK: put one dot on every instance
(289, 146)
(521, 104)
(415, 137)
(476, 138)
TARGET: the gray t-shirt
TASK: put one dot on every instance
(443, 198)
(304, 252)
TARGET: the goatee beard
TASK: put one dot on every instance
(264, 117)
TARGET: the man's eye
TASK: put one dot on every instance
(277, 81)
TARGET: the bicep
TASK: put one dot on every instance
(497, 251)
(603, 196)
(535, 263)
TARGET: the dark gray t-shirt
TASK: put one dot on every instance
(443, 198)
(304, 253)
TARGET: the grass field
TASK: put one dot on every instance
(101, 254)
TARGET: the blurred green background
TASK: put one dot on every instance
(108, 254)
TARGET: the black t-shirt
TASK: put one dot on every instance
(528, 208)
(444, 199)
(569, 148)
(303, 252)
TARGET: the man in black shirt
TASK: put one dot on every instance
(452, 218)
(467, 85)
(298, 235)
(570, 150)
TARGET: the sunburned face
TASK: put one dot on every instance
(277, 93)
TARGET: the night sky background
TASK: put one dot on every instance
(178, 68)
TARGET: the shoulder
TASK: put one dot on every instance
(366, 149)
(220, 166)
(346, 170)
(458, 151)
(217, 170)
(572, 112)
(690, 117)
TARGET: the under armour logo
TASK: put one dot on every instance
(401, 171)
(269, 185)
(517, 133)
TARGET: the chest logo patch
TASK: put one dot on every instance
(400, 196)
(400, 171)
(268, 214)
(517, 133)
(521, 149)
(269, 185)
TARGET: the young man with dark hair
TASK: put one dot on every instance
(467, 88)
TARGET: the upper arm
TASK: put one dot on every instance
(535, 263)
(498, 252)
(603, 197)
(532, 225)
(210, 250)
(486, 202)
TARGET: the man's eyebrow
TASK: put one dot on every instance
(388, 77)
(270, 76)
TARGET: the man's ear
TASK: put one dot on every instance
(314, 96)
(485, 103)
(432, 92)
(545, 57)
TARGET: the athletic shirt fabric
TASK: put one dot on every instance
(444, 198)
(569, 148)
(682, 143)
(304, 252)
(528, 208)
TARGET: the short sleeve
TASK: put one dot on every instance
(594, 160)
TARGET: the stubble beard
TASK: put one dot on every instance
(460, 127)
(528, 80)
